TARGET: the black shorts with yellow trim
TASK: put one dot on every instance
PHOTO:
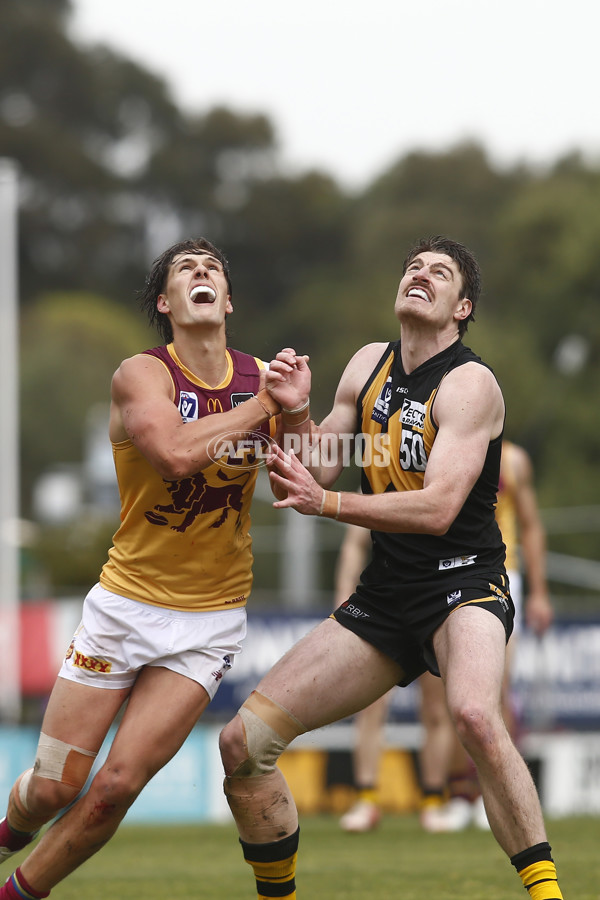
(400, 618)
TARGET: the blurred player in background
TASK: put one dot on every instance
(165, 621)
(451, 798)
(435, 595)
(369, 723)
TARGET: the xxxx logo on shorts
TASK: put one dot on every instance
(92, 663)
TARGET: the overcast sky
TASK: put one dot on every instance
(352, 86)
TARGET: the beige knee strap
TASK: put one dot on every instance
(269, 728)
(62, 762)
(23, 785)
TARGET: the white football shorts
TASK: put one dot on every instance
(117, 637)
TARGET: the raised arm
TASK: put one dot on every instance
(469, 411)
(142, 410)
(322, 449)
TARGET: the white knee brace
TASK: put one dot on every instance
(269, 729)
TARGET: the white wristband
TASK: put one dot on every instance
(292, 412)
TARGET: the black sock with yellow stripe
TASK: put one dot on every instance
(274, 866)
(367, 795)
(432, 798)
(538, 872)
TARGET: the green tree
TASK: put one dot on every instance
(79, 123)
(71, 345)
(546, 287)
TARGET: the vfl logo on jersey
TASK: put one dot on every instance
(188, 406)
(456, 562)
(413, 414)
(213, 405)
(453, 597)
(381, 408)
(240, 397)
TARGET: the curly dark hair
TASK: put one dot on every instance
(156, 281)
(467, 266)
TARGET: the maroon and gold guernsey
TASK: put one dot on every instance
(186, 544)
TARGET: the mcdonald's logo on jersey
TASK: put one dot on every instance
(188, 406)
(213, 405)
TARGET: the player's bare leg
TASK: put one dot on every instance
(328, 675)
(144, 743)
(75, 724)
(470, 649)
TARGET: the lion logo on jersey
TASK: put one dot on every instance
(193, 496)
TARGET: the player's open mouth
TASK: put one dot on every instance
(419, 292)
(202, 293)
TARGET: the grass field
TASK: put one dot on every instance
(397, 862)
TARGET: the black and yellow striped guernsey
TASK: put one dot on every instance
(396, 413)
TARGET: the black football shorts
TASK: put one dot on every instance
(400, 619)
